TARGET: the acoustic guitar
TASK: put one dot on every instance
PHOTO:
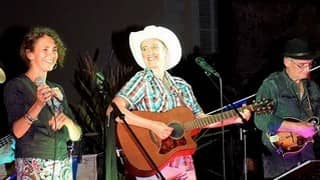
(286, 143)
(180, 142)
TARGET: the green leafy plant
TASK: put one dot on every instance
(97, 86)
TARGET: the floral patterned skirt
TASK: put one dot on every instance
(179, 168)
(43, 169)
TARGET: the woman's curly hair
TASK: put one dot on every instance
(33, 35)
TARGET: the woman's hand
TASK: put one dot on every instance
(246, 114)
(59, 120)
(161, 129)
(44, 94)
(57, 93)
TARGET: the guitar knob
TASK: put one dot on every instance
(279, 151)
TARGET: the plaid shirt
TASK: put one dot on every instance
(145, 92)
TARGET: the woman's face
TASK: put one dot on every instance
(154, 53)
(44, 55)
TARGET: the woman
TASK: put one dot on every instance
(157, 49)
(38, 112)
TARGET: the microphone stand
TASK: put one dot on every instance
(222, 97)
(135, 138)
(222, 128)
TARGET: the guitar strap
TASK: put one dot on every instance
(308, 107)
(170, 87)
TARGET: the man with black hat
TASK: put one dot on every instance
(287, 133)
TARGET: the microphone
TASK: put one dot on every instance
(39, 81)
(54, 104)
(205, 66)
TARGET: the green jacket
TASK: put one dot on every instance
(284, 93)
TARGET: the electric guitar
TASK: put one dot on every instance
(286, 143)
(8, 139)
(180, 142)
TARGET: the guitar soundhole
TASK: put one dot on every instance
(176, 138)
(177, 132)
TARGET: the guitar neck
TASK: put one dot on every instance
(5, 140)
(213, 118)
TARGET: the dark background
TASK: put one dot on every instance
(246, 47)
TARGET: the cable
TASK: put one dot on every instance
(223, 134)
(55, 110)
(54, 142)
(55, 148)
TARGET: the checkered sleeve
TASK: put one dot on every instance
(133, 91)
(188, 96)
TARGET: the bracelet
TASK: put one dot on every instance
(29, 119)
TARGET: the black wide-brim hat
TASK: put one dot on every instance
(300, 49)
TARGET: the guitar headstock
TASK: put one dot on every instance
(261, 106)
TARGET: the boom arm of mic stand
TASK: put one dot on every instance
(135, 138)
(224, 97)
(229, 105)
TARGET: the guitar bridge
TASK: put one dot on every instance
(168, 144)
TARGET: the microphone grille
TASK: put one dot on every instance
(198, 59)
(39, 81)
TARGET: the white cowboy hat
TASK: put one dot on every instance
(157, 32)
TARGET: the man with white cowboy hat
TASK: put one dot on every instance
(157, 49)
(296, 96)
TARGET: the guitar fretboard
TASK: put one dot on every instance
(210, 119)
(5, 140)
(224, 115)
